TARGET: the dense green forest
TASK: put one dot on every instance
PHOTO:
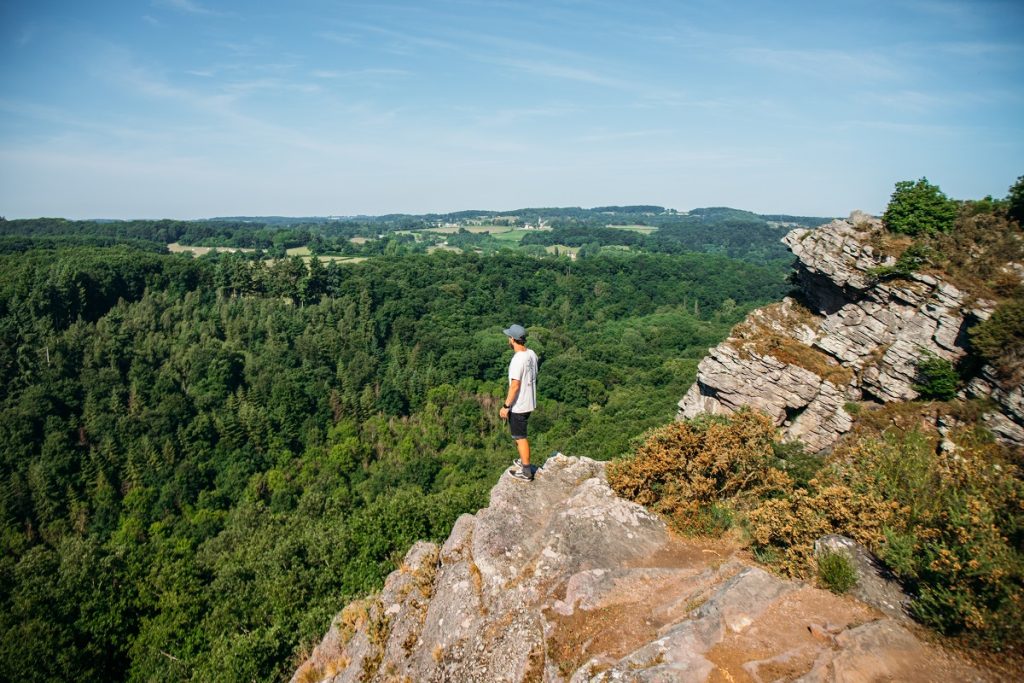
(202, 460)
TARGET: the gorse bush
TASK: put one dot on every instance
(963, 553)
(949, 525)
(786, 527)
(692, 471)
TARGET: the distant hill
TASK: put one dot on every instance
(717, 213)
(716, 230)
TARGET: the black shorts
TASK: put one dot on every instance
(517, 424)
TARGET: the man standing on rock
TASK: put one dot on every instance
(521, 399)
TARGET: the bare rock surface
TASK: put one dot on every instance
(561, 580)
(780, 360)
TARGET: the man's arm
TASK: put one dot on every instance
(513, 391)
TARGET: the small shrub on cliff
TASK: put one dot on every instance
(936, 378)
(919, 208)
(694, 472)
(1000, 340)
(914, 258)
(836, 572)
(796, 462)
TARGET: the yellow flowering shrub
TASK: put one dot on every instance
(696, 473)
(948, 523)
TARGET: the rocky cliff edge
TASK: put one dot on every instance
(850, 337)
(561, 580)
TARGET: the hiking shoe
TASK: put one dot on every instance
(519, 463)
(518, 473)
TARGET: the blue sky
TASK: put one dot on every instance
(199, 108)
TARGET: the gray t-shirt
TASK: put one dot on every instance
(523, 367)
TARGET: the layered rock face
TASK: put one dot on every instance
(855, 338)
(561, 580)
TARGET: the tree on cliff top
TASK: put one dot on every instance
(919, 208)
(1016, 198)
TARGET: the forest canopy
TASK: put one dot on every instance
(202, 460)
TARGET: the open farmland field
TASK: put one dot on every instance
(307, 256)
(645, 229)
(475, 229)
(512, 236)
(176, 248)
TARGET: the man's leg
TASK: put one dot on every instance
(517, 425)
(523, 446)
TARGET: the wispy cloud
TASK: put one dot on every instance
(959, 12)
(401, 42)
(978, 49)
(512, 115)
(189, 7)
(912, 101)
(67, 127)
(335, 37)
(560, 71)
(217, 104)
(826, 64)
(612, 136)
(268, 84)
(917, 129)
(360, 73)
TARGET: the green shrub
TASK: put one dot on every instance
(919, 208)
(1000, 340)
(1016, 200)
(836, 572)
(913, 258)
(936, 378)
(801, 466)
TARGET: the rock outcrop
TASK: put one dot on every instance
(561, 580)
(853, 338)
